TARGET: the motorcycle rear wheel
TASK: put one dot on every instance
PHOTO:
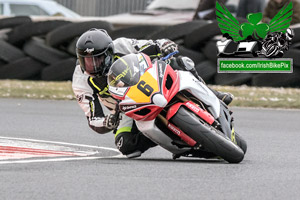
(211, 139)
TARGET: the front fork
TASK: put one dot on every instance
(184, 137)
(174, 129)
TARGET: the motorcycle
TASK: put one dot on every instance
(174, 109)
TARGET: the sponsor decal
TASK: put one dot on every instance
(182, 135)
(160, 70)
(89, 50)
(261, 44)
(193, 107)
(174, 129)
(200, 112)
(129, 107)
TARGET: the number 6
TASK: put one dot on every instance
(145, 88)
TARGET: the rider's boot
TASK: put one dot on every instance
(132, 143)
(135, 154)
(226, 97)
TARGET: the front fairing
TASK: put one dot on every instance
(157, 85)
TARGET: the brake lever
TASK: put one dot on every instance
(169, 55)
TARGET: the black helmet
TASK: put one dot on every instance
(95, 52)
(289, 34)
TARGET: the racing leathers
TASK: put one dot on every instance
(98, 105)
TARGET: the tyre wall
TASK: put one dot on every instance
(45, 50)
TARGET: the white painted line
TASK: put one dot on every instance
(62, 143)
(59, 159)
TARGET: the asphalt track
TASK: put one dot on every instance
(270, 169)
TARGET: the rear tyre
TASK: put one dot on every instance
(210, 138)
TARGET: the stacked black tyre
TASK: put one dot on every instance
(43, 50)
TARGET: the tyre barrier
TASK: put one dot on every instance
(70, 31)
(14, 21)
(45, 50)
(21, 33)
(137, 32)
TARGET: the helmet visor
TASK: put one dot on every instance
(93, 64)
(96, 64)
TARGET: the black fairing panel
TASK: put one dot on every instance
(225, 119)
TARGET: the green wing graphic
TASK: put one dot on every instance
(282, 19)
(228, 23)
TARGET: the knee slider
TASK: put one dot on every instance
(124, 142)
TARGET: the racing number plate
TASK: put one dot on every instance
(142, 92)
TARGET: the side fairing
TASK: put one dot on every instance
(151, 131)
(201, 91)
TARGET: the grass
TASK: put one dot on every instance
(244, 96)
(265, 97)
(36, 90)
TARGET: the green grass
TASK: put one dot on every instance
(244, 96)
(36, 90)
(263, 96)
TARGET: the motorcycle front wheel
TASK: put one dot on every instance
(210, 138)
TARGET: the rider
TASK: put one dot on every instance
(96, 52)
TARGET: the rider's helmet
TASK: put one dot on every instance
(289, 34)
(95, 52)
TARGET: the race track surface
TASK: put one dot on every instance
(270, 169)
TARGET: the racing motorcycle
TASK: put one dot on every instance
(174, 109)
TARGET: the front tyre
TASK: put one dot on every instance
(211, 139)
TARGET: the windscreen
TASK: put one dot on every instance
(125, 72)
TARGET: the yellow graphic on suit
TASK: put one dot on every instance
(233, 136)
(137, 95)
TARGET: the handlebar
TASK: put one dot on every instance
(169, 55)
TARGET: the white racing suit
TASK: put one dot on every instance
(94, 99)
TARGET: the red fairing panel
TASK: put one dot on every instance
(169, 94)
(194, 108)
(200, 112)
(118, 97)
(173, 110)
(154, 111)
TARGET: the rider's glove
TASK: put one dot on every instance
(168, 47)
(111, 121)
